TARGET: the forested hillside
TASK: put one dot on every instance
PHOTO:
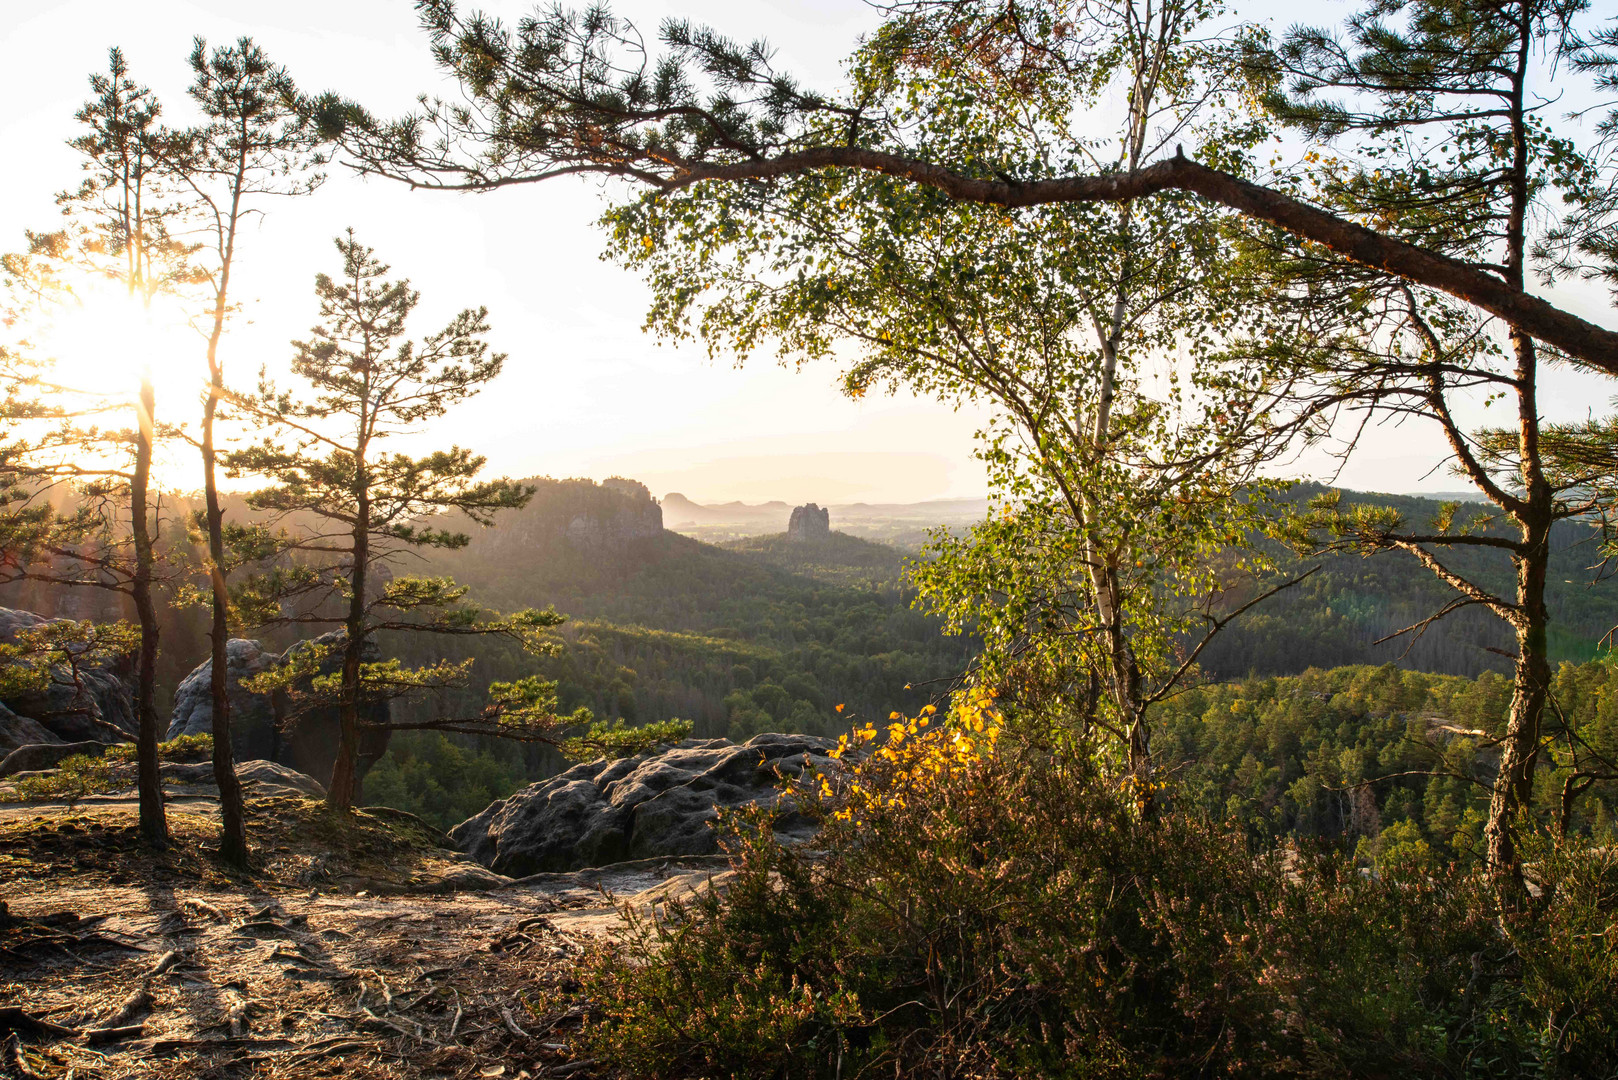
(738, 640)
(771, 633)
(1337, 615)
(1374, 753)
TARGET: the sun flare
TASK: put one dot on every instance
(105, 343)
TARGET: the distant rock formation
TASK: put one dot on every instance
(600, 522)
(809, 522)
(624, 485)
(64, 712)
(615, 526)
(654, 805)
(256, 720)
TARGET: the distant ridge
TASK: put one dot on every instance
(679, 510)
(1446, 496)
(903, 524)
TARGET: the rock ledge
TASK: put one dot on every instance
(655, 805)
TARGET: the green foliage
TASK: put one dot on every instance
(1121, 478)
(837, 558)
(1347, 612)
(426, 774)
(80, 775)
(616, 739)
(56, 652)
(73, 778)
(1389, 763)
(928, 940)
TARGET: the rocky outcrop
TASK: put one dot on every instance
(261, 726)
(36, 756)
(809, 522)
(18, 731)
(263, 778)
(252, 716)
(614, 525)
(565, 519)
(658, 804)
(95, 708)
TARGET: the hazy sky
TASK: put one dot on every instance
(585, 393)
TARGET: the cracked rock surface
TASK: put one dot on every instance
(656, 805)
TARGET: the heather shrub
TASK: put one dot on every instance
(976, 909)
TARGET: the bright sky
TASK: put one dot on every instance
(585, 393)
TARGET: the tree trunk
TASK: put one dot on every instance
(1123, 674)
(1123, 678)
(341, 792)
(1519, 746)
(232, 822)
(344, 786)
(154, 828)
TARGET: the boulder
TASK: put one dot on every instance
(263, 778)
(655, 805)
(46, 755)
(66, 712)
(252, 716)
(261, 725)
(18, 731)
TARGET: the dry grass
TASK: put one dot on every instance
(313, 963)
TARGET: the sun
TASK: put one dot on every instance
(84, 355)
(103, 343)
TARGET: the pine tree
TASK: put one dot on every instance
(1428, 127)
(343, 509)
(120, 227)
(250, 145)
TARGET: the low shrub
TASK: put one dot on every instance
(113, 770)
(975, 909)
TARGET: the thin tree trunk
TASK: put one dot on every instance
(232, 819)
(1123, 674)
(344, 786)
(1519, 747)
(153, 821)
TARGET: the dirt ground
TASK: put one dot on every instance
(356, 948)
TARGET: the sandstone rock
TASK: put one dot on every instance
(809, 522)
(46, 755)
(67, 713)
(18, 731)
(658, 804)
(252, 716)
(262, 778)
(261, 726)
(608, 526)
